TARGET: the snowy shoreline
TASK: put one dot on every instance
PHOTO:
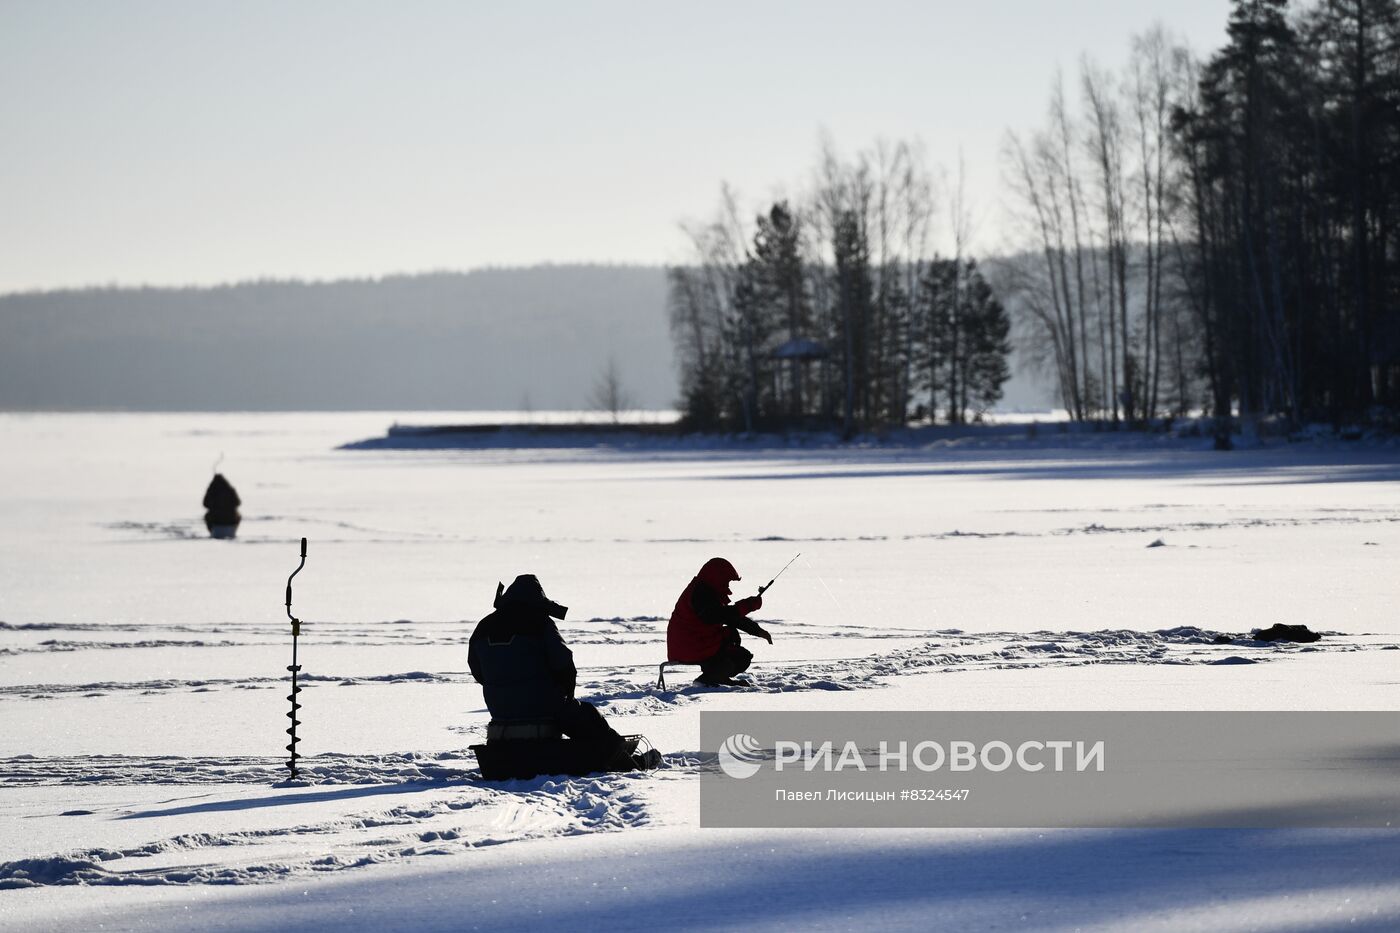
(1038, 432)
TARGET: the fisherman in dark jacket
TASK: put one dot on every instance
(704, 627)
(526, 671)
(221, 504)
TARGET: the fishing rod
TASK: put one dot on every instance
(291, 765)
(763, 589)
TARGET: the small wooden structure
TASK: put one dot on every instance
(795, 385)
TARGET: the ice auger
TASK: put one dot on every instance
(294, 667)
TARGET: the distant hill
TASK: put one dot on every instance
(492, 338)
(489, 339)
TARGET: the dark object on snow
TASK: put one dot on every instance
(704, 627)
(221, 504)
(1223, 640)
(294, 668)
(1158, 543)
(528, 678)
(525, 749)
(1280, 632)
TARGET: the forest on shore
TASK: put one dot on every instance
(1216, 234)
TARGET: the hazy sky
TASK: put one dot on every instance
(200, 142)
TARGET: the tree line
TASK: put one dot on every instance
(831, 311)
(1220, 234)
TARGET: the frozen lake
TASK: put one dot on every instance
(981, 573)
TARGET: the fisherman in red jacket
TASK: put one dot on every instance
(705, 628)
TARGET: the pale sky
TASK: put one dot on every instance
(201, 142)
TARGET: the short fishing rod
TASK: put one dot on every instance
(764, 588)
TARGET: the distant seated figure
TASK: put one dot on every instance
(704, 627)
(221, 504)
(527, 675)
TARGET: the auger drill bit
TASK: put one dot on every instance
(294, 667)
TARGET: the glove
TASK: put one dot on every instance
(749, 604)
(763, 633)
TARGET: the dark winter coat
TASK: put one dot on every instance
(698, 623)
(517, 655)
(222, 502)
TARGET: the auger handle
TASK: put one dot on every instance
(289, 579)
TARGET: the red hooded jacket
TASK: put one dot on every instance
(703, 616)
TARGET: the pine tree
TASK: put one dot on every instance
(965, 340)
(939, 335)
(780, 282)
(988, 329)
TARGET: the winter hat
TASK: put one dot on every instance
(717, 573)
(527, 593)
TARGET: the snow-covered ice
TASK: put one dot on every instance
(142, 669)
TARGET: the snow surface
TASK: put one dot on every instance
(142, 685)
